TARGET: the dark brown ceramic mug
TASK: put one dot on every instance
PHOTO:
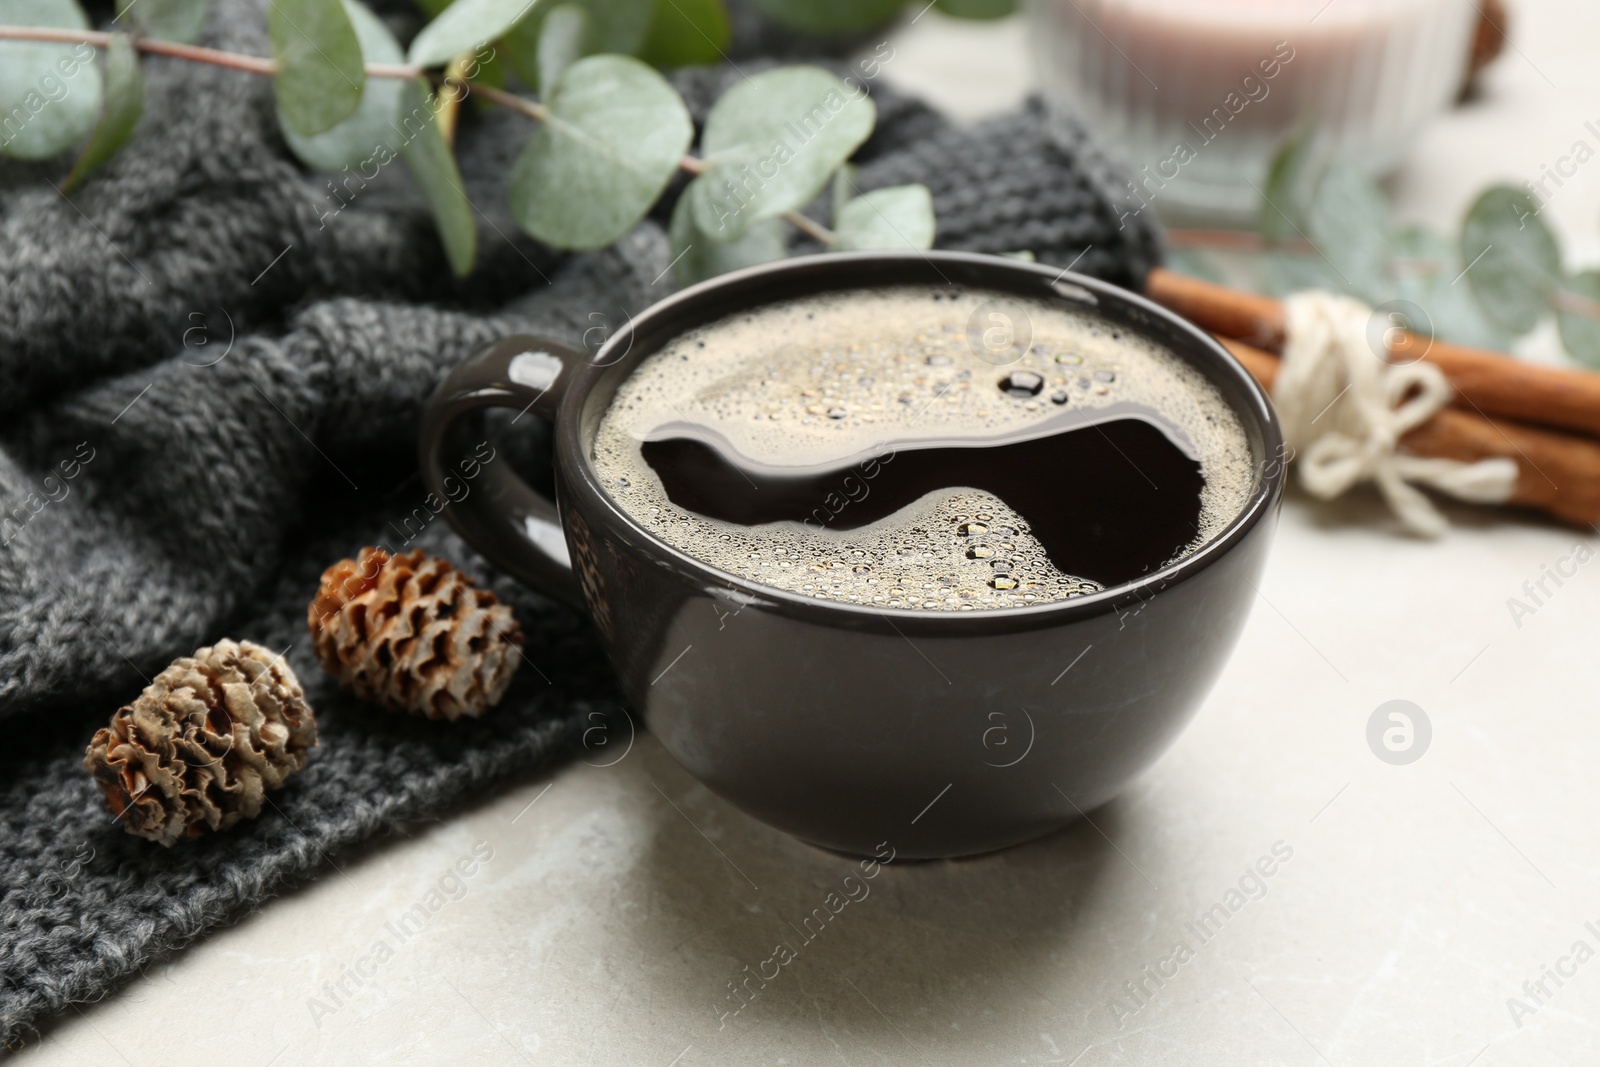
(940, 733)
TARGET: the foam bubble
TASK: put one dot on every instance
(821, 379)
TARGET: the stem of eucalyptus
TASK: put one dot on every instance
(194, 53)
(811, 228)
(531, 108)
(1572, 303)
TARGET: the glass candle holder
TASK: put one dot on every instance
(1197, 95)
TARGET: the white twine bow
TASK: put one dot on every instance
(1344, 410)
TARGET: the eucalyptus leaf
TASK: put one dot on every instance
(1458, 318)
(49, 93)
(428, 159)
(900, 216)
(771, 142)
(1425, 269)
(561, 43)
(1513, 261)
(1578, 315)
(369, 133)
(1290, 184)
(124, 102)
(320, 75)
(1349, 224)
(170, 20)
(615, 26)
(463, 27)
(697, 256)
(616, 133)
(977, 9)
(686, 33)
(830, 16)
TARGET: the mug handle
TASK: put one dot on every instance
(514, 527)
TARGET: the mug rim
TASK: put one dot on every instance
(581, 480)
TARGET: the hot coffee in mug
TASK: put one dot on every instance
(929, 550)
(931, 448)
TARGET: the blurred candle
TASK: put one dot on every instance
(1196, 95)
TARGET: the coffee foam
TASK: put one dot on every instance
(831, 378)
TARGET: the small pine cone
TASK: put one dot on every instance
(412, 633)
(203, 743)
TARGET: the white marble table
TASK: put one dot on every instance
(619, 903)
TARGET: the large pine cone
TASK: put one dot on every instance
(203, 743)
(412, 633)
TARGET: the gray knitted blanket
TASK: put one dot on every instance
(207, 396)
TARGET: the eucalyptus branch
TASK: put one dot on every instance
(812, 229)
(688, 164)
(531, 108)
(560, 190)
(264, 65)
(1329, 227)
(1574, 304)
(194, 53)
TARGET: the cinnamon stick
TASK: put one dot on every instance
(1488, 382)
(1557, 473)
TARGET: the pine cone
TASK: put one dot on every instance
(203, 743)
(412, 633)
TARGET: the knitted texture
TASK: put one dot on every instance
(211, 373)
